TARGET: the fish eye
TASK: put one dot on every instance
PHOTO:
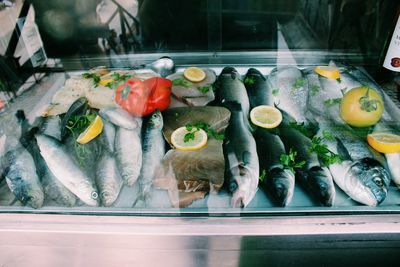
(378, 181)
(95, 195)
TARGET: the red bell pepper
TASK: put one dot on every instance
(141, 98)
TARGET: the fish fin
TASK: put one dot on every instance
(342, 151)
(246, 157)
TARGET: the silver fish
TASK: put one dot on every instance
(67, 171)
(56, 191)
(153, 151)
(240, 152)
(108, 179)
(21, 177)
(359, 174)
(121, 118)
(231, 89)
(108, 135)
(128, 151)
(290, 89)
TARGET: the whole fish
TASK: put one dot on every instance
(240, 152)
(108, 179)
(314, 178)
(128, 152)
(67, 171)
(231, 89)
(121, 118)
(290, 91)
(359, 174)
(279, 181)
(56, 191)
(153, 146)
(21, 177)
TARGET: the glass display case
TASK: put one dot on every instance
(199, 132)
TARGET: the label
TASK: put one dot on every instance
(392, 59)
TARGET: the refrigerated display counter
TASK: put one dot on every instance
(209, 133)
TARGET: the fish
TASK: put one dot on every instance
(21, 177)
(128, 153)
(315, 178)
(67, 171)
(55, 190)
(108, 179)
(193, 93)
(279, 181)
(216, 117)
(290, 91)
(120, 118)
(192, 171)
(240, 153)
(108, 136)
(153, 146)
(359, 174)
(3, 139)
(258, 89)
(231, 89)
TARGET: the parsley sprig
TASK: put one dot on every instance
(290, 162)
(193, 128)
(249, 80)
(93, 76)
(182, 82)
(318, 146)
(332, 102)
(300, 82)
(118, 79)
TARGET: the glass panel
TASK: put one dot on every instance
(80, 139)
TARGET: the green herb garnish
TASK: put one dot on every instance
(182, 82)
(332, 102)
(93, 76)
(289, 161)
(275, 91)
(318, 146)
(204, 89)
(262, 176)
(118, 79)
(339, 80)
(298, 84)
(201, 125)
(301, 128)
(249, 81)
(314, 89)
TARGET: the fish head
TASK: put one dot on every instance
(156, 119)
(243, 185)
(91, 196)
(320, 182)
(35, 199)
(280, 183)
(374, 179)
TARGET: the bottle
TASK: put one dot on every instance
(392, 59)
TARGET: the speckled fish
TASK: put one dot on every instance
(193, 93)
(231, 89)
(279, 181)
(108, 179)
(108, 136)
(153, 146)
(242, 164)
(315, 179)
(21, 177)
(121, 118)
(290, 91)
(128, 152)
(359, 174)
(67, 171)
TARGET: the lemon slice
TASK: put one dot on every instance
(328, 72)
(91, 132)
(198, 141)
(105, 82)
(384, 142)
(194, 74)
(266, 116)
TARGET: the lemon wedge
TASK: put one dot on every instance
(330, 72)
(266, 116)
(91, 132)
(194, 74)
(198, 140)
(105, 82)
(384, 142)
